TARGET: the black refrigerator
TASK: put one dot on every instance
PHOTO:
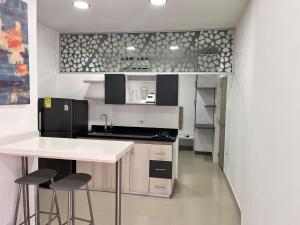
(62, 118)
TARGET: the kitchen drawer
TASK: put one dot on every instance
(160, 169)
(161, 152)
(160, 186)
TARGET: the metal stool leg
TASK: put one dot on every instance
(57, 210)
(73, 207)
(37, 205)
(69, 207)
(25, 204)
(90, 204)
(17, 205)
(52, 206)
(56, 206)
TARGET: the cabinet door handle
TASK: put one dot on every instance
(160, 187)
(160, 153)
(158, 169)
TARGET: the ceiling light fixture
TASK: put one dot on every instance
(158, 2)
(174, 47)
(130, 48)
(79, 4)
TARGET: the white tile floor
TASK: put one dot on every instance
(202, 197)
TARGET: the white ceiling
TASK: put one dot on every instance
(139, 15)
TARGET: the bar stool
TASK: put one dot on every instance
(36, 178)
(70, 184)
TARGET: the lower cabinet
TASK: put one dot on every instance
(139, 169)
(104, 176)
(86, 167)
(146, 170)
(126, 172)
(159, 186)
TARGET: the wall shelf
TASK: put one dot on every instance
(205, 126)
(206, 88)
(94, 99)
(210, 106)
(93, 81)
(133, 103)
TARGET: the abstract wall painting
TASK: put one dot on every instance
(14, 55)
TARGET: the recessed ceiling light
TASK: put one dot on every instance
(174, 47)
(130, 48)
(81, 4)
(158, 2)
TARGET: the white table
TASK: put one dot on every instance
(70, 149)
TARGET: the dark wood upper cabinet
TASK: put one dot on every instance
(167, 90)
(115, 90)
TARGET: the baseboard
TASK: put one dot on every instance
(186, 148)
(203, 153)
(233, 193)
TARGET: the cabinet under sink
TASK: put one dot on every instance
(137, 177)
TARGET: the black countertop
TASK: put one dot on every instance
(132, 133)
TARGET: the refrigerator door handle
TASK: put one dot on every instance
(39, 120)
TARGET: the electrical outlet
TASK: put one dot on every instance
(227, 154)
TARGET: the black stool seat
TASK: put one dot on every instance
(37, 177)
(72, 182)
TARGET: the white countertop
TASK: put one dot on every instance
(66, 148)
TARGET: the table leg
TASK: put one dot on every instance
(118, 192)
(25, 192)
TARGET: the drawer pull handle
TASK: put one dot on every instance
(160, 187)
(160, 153)
(157, 169)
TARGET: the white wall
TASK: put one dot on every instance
(187, 92)
(262, 139)
(16, 120)
(54, 84)
(48, 61)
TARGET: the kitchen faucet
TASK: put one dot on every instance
(105, 117)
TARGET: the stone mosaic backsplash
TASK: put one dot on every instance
(194, 51)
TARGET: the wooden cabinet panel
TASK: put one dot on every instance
(160, 186)
(139, 169)
(161, 152)
(104, 176)
(126, 173)
(86, 167)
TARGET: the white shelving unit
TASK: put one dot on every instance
(138, 87)
(94, 90)
(205, 113)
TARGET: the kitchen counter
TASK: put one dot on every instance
(99, 151)
(67, 148)
(132, 133)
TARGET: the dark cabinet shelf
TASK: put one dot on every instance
(205, 126)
